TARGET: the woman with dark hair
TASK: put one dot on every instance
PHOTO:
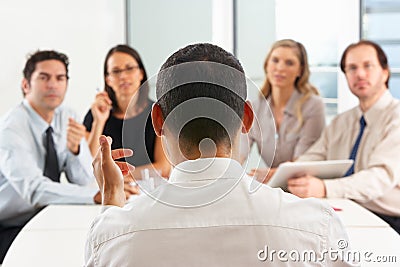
(289, 111)
(123, 111)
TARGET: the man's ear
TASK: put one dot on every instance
(248, 117)
(25, 86)
(157, 119)
(385, 75)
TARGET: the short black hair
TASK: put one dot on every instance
(201, 90)
(40, 56)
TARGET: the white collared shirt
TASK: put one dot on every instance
(205, 216)
(23, 188)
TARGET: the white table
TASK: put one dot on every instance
(57, 235)
(368, 234)
(54, 237)
(353, 215)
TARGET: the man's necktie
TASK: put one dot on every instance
(51, 169)
(355, 147)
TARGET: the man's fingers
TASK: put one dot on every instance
(131, 189)
(76, 128)
(105, 145)
(122, 166)
(121, 153)
(298, 191)
(128, 194)
(129, 179)
(297, 181)
(73, 122)
(125, 167)
(72, 136)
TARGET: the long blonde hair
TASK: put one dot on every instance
(301, 83)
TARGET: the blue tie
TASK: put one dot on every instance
(355, 147)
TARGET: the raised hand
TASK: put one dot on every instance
(113, 177)
(101, 108)
(75, 133)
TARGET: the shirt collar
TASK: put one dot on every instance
(374, 113)
(38, 121)
(206, 169)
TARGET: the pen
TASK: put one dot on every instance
(336, 209)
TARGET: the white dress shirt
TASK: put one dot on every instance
(375, 183)
(23, 188)
(205, 216)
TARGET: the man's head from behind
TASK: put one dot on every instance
(201, 92)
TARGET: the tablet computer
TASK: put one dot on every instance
(322, 169)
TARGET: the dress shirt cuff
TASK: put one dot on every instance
(79, 158)
(334, 188)
(83, 159)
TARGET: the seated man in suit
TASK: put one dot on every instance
(368, 134)
(205, 214)
(40, 138)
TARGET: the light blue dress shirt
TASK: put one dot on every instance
(23, 188)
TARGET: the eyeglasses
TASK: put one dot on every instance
(352, 69)
(128, 70)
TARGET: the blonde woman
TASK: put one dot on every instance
(289, 111)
